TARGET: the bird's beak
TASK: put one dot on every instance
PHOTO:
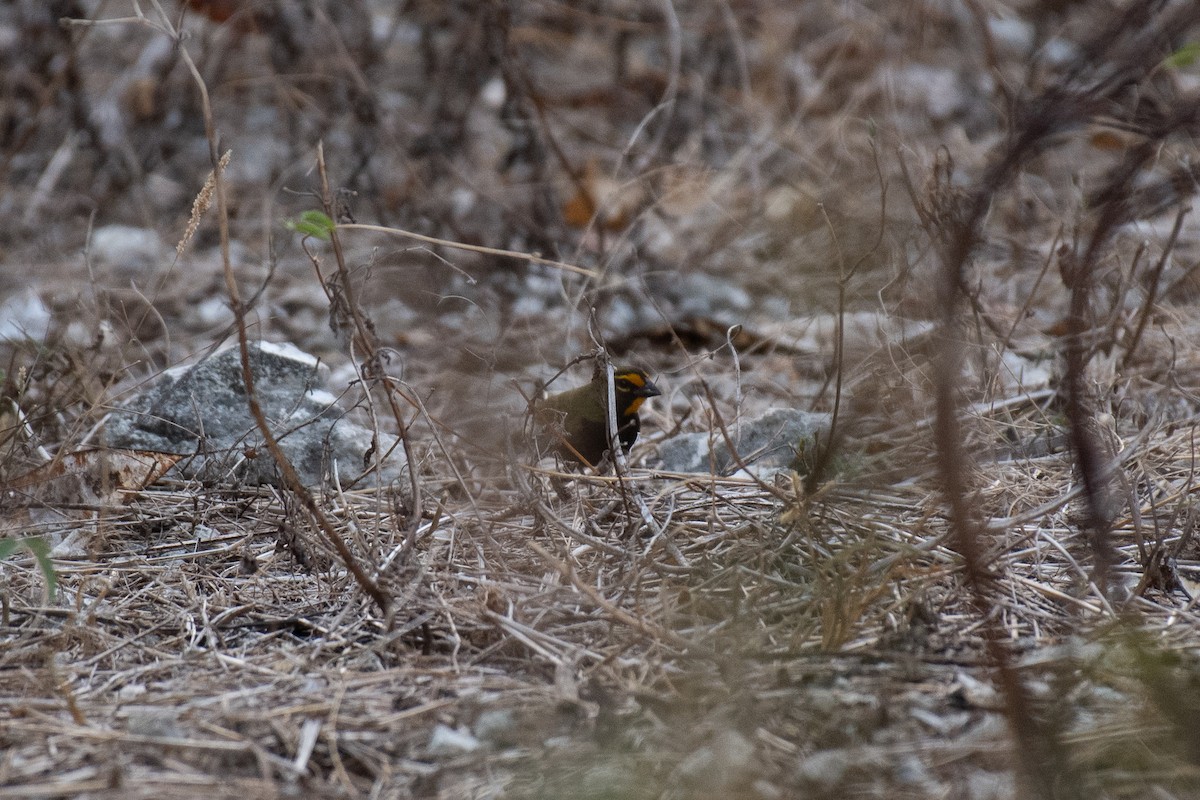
(649, 390)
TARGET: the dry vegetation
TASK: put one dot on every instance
(962, 227)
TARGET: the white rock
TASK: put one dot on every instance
(447, 741)
(1012, 34)
(938, 89)
(24, 315)
(212, 311)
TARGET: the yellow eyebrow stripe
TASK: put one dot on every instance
(633, 377)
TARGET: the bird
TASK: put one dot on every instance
(574, 423)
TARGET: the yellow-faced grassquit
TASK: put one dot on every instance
(574, 423)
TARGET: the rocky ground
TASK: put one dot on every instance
(912, 517)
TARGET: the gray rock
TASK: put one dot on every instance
(497, 726)
(827, 768)
(202, 411)
(688, 452)
(127, 249)
(678, 298)
(983, 785)
(701, 295)
(775, 440)
(258, 159)
(720, 766)
(684, 295)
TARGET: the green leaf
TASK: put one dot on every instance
(40, 551)
(311, 223)
(1185, 56)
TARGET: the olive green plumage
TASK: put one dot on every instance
(574, 423)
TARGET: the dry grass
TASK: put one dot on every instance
(595, 648)
(988, 593)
